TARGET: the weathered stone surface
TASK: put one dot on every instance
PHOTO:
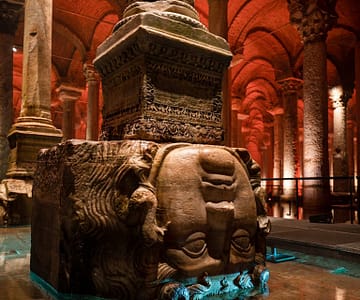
(26, 137)
(162, 79)
(140, 220)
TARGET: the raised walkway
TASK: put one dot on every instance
(339, 240)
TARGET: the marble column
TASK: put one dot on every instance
(9, 14)
(350, 134)
(313, 20)
(278, 150)
(34, 130)
(218, 25)
(340, 155)
(93, 82)
(68, 95)
(290, 88)
(357, 88)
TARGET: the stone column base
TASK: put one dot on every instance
(26, 137)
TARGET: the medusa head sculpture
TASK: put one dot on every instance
(142, 220)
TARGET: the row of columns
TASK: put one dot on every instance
(313, 21)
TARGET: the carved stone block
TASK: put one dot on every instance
(135, 219)
(162, 79)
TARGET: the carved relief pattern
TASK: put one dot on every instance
(163, 130)
(186, 58)
(90, 73)
(105, 195)
(290, 85)
(313, 18)
(132, 96)
(123, 88)
(113, 63)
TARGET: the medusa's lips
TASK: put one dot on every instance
(218, 187)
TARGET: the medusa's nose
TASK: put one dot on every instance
(220, 217)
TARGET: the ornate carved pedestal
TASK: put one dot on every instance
(162, 80)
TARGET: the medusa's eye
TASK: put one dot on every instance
(195, 245)
(241, 240)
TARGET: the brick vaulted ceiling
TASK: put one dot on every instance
(259, 30)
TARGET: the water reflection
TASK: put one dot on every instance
(307, 277)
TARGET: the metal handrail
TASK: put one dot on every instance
(354, 194)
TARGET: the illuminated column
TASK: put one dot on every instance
(93, 82)
(357, 88)
(290, 88)
(350, 133)
(68, 95)
(218, 25)
(9, 14)
(278, 150)
(340, 158)
(313, 20)
(34, 130)
(240, 119)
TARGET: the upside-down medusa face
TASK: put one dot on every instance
(205, 196)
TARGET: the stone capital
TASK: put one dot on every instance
(90, 73)
(9, 15)
(313, 19)
(68, 93)
(290, 85)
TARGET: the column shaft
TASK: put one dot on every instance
(93, 83)
(316, 157)
(36, 87)
(218, 25)
(290, 88)
(340, 158)
(278, 152)
(68, 95)
(6, 98)
(9, 14)
(313, 20)
(357, 88)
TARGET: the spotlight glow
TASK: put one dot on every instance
(335, 94)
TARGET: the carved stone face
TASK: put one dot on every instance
(204, 193)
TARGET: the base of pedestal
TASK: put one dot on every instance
(26, 137)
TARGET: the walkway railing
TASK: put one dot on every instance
(349, 196)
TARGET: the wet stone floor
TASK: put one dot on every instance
(306, 277)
